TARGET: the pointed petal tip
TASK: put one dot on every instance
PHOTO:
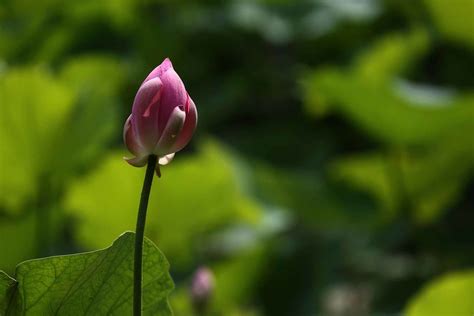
(167, 61)
(159, 70)
(165, 65)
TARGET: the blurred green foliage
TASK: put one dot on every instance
(331, 172)
(452, 19)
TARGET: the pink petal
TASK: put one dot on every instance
(145, 113)
(137, 161)
(188, 128)
(171, 132)
(173, 94)
(130, 138)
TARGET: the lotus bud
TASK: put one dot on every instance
(163, 118)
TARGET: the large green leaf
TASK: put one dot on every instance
(452, 294)
(195, 195)
(94, 283)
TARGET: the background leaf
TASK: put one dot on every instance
(385, 114)
(451, 19)
(29, 126)
(37, 114)
(429, 181)
(451, 294)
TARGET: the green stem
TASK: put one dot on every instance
(139, 235)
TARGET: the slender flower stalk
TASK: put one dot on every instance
(139, 235)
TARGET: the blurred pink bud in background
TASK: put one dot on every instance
(202, 288)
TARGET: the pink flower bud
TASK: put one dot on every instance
(202, 288)
(163, 117)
